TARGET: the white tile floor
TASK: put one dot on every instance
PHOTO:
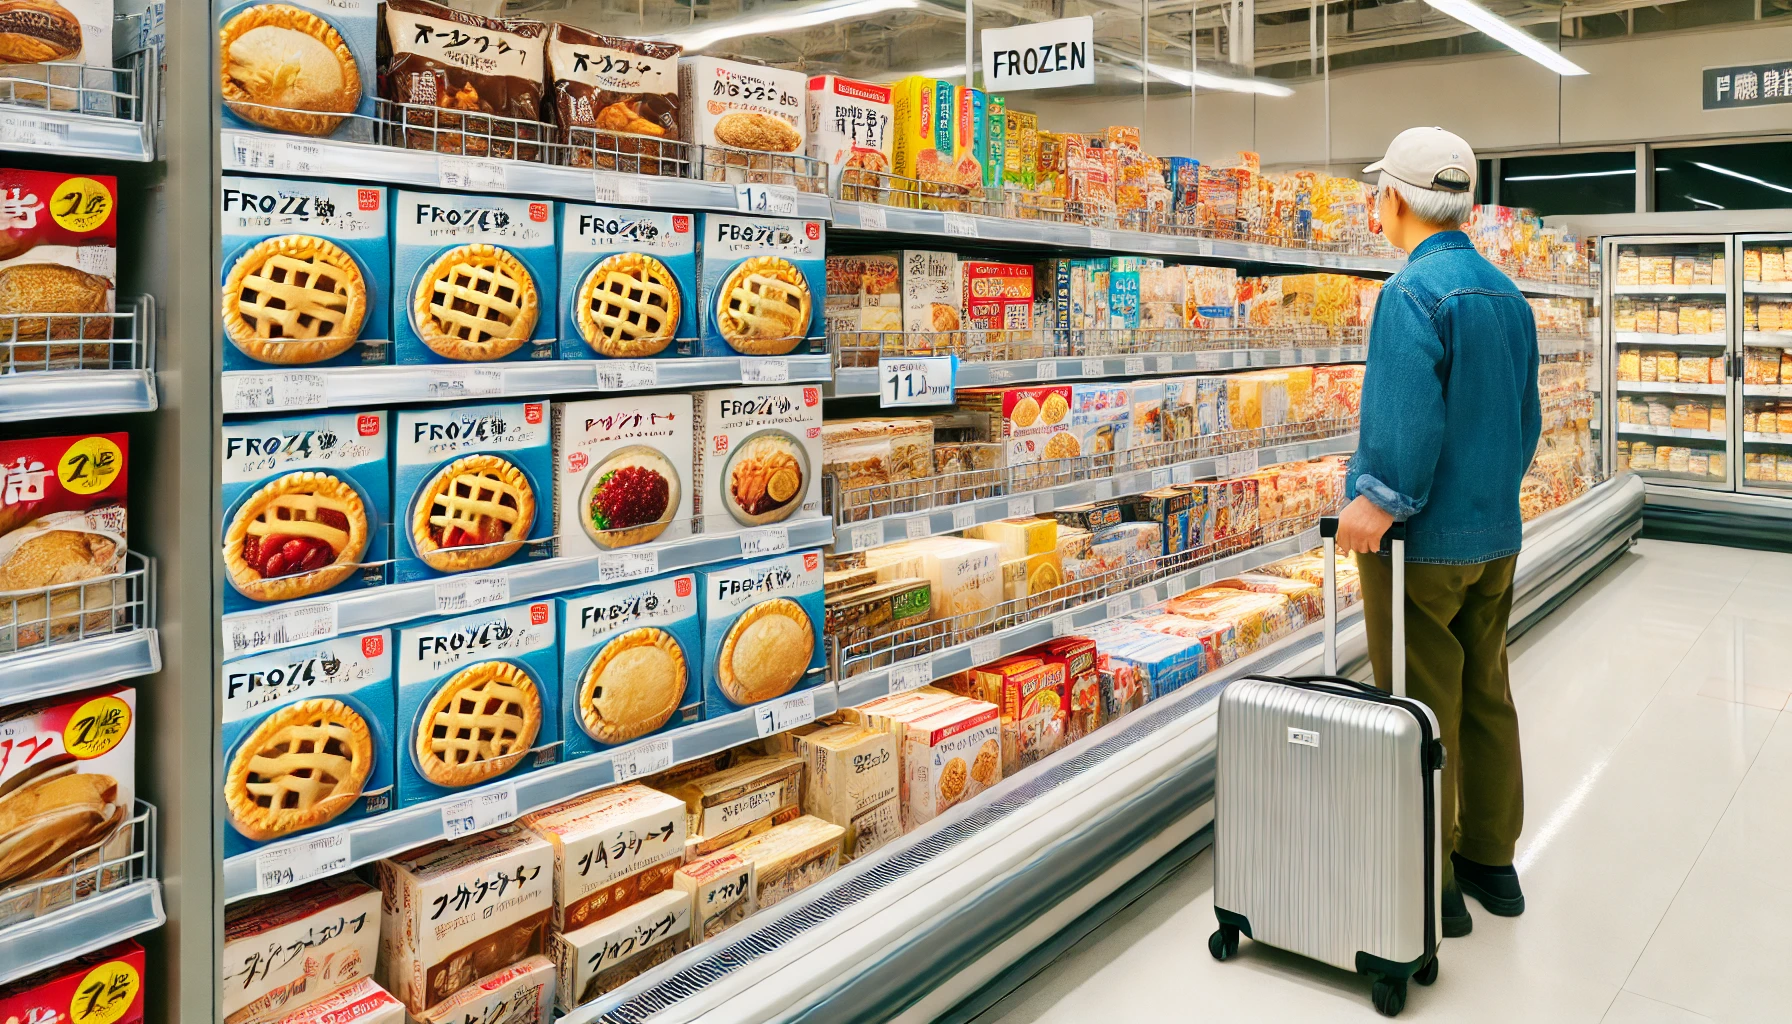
(1656, 857)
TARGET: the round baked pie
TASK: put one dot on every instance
(630, 497)
(1054, 409)
(301, 534)
(749, 129)
(1063, 446)
(766, 478)
(302, 766)
(476, 302)
(628, 306)
(633, 685)
(479, 725)
(287, 69)
(294, 299)
(984, 768)
(766, 651)
(763, 307)
(56, 815)
(952, 782)
(473, 514)
(1026, 412)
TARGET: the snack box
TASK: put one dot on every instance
(925, 146)
(932, 298)
(476, 699)
(1147, 398)
(62, 519)
(721, 890)
(949, 755)
(791, 857)
(1034, 697)
(1018, 538)
(964, 574)
(1082, 682)
(1161, 663)
(628, 283)
(608, 954)
(307, 273)
(296, 68)
(629, 657)
(363, 1002)
(973, 138)
(623, 472)
(426, 61)
(287, 949)
(853, 781)
(105, 985)
(1170, 508)
(850, 130)
(737, 105)
(726, 806)
(762, 632)
(612, 849)
(997, 296)
(1092, 515)
(473, 278)
(1100, 418)
(522, 993)
(499, 882)
(58, 254)
(471, 488)
(320, 711)
(761, 286)
(758, 456)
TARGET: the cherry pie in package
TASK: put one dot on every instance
(62, 523)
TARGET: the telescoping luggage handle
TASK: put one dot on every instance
(1393, 543)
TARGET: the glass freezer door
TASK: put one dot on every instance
(1765, 287)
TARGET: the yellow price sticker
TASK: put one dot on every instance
(81, 204)
(105, 995)
(98, 726)
(90, 465)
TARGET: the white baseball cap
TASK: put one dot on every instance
(1421, 157)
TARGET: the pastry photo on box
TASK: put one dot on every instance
(761, 630)
(629, 661)
(58, 271)
(763, 285)
(616, 101)
(746, 120)
(109, 984)
(758, 456)
(623, 473)
(472, 277)
(462, 83)
(62, 522)
(301, 67)
(471, 488)
(628, 283)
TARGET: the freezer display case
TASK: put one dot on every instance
(1765, 289)
(1570, 381)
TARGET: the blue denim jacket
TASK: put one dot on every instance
(1450, 412)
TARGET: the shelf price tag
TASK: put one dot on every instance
(985, 650)
(479, 811)
(643, 758)
(465, 593)
(918, 527)
(1135, 365)
(1046, 370)
(1160, 478)
(1119, 607)
(617, 566)
(960, 225)
(1021, 506)
(911, 674)
(628, 374)
(964, 517)
(1182, 474)
(1100, 239)
(279, 867)
(1292, 453)
(1094, 367)
(261, 392)
(1241, 463)
(1205, 576)
(784, 714)
(764, 370)
(279, 627)
(471, 172)
(1062, 626)
(906, 383)
(1207, 360)
(241, 152)
(31, 132)
(770, 540)
(871, 218)
(610, 187)
(1166, 364)
(449, 384)
(767, 200)
(867, 536)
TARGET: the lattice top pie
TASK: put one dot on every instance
(479, 725)
(475, 302)
(628, 306)
(294, 299)
(277, 63)
(473, 514)
(301, 534)
(302, 766)
(763, 307)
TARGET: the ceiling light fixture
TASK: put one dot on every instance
(1738, 174)
(1576, 174)
(789, 21)
(1209, 80)
(1705, 202)
(1476, 16)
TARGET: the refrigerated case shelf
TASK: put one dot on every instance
(1756, 437)
(1767, 287)
(1649, 387)
(1671, 340)
(130, 89)
(1768, 339)
(1767, 390)
(1670, 290)
(1638, 430)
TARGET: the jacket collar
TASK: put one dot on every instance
(1440, 241)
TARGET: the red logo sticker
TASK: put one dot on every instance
(577, 461)
(373, 646)
(811, 560)
(813, 230)
(538, 212)
(368, 423)
(538, 614)
(367, 198)
(681, 223)
(721, 442)
(532, 412)
(682, 586)
(811, 396)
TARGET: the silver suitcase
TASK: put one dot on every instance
(1326, 839)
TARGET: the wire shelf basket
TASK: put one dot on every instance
(67, 87)
(44, 342)
(71, 612)
(865, 348)
(127, 854)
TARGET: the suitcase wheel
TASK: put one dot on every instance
(1223, 943)
(1428, 973)
(1390, 996)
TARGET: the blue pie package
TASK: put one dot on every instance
(762, 629)
(763, 285)
(473, 278)
(629, 657)
(628, 283)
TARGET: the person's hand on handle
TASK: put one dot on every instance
(1361, 525)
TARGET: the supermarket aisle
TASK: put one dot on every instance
(1658, 755)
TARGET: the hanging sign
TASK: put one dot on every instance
(1048, 55)
(1747, 85)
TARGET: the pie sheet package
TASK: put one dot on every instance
(762, 285)
(791, 857)
(864, 307)
(1034, 695)
(612, 849)
(762, 635)
(454, 911)
(871, 460)
(616, 100)
(472, 487)
(1123, 291)
(437, 62)
(609, 953)
(1100, 419)
(307, 506)
(473, 278)
(58, 254)
(1032, 422)
(105, 985)
(948, 755)
(629, 657)
(522, 993)
(963, 574)
(477, 696)
(1020, 154)
(1147, 424)
(363, 1002)
(854, 777)
(62, 521)
(300, 67)
(932, 300)
(734, 105)
(622, 472)
(628, 283)
(721, 888)
(758, 456)
(726, 806)
(68, 33)
(307, 738)
(973, 138)
(307, 273)
(850, 129)
(284, 950)
(66, 795)
(1169, 508)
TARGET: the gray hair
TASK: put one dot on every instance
(1446, 209)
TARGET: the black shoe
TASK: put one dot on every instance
(1496, 887)
(1457, 923)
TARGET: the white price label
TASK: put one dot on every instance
(905, 383)
(1160, 478)
(263, 392)
(1046, 370)
(278, 627)
(1135, 364)
(642, 759)
(465, 593)
(1021, 506)
(1293, 453)
(985, 650)
(770, 540)
(450, 384)
(785, 713)
(911, 674)
(960, 225)
(281, 867)
(1101, 240)
(1207, 360)
(1093, 368)
(964, 518)
(1104, 489)
(1166, 364)
(610, 187)
(766, 200)
(1062, 626)
(479, 811)
(764, 370)
(1182, 474)
(1241, 463)
(1271, 357)
(471, 172)
(1119, 607)
(627, 374)
(1204, 577)
(617, 566)
(241, 152)
(871, 218)
(867, 536)
(999, 374)
(299, 157)
(918, 527)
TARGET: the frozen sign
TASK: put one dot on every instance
(1049, 55)
(1748, 85)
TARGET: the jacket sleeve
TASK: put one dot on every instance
(1402, 428)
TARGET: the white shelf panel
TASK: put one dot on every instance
(58, 393)
(1668, 290)
(1560, 289)
(45, 671)
(1671, 340)
(92, 923)
(1638, 430)
(1666, 388)
(1767, 390)
(1768, 339)
(1767, 287)
(862, 381)
(1756, 437)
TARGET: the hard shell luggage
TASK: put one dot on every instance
(1326, 838)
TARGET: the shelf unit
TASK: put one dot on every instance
(84, 131)
(1659, 340)
(1668, 291)
(1650, 387)
(120, 379)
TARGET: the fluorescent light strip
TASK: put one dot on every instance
(1738, 174)
(1702, 202)
(1576, 174)
(1209, 80)
(775, 24)
(1476, 16)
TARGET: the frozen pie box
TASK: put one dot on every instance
(106, 985)
(730, 805)
(595, 959)
(62, 521)
(612, 849)
(58, 255)
(721, 888)
(284, 950)
(792, 857)
(522, 993)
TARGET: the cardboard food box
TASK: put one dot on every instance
(762, 622)
(791, 857)
(522, 993)
(1033, 694)
(605, 955)
(441, 244)
(629, 658)
(363, 1002)
(964, 575)
(925, 143)
(627, 283)
(997, 296)
(727, 806)
(758, 456)
(949, 756)
(105, 985)
(287, 949)
(853, 781)
(612, 849)
(932, 299)
(1082, 683)
(622, 472)
(471, 487)
(58, 255)
(721, 890)
(761, 286)
(739, 106)
(850, 128)
(62, 521)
